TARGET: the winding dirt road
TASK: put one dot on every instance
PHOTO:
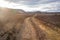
(31, 28)
(42, 31)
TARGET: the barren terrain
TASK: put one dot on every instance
(29, 27)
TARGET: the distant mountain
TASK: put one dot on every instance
(20, 11)
(15, 11)
(11, 11)
(40, 12)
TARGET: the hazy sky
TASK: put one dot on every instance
(32, 5)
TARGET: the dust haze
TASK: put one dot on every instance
(20, 25)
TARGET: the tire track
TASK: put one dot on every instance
(53, 35)
(28, 32)
(37, 33)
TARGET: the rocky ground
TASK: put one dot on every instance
(29, 27)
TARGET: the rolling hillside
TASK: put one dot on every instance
(24, 26)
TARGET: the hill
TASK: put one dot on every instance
(21, 25)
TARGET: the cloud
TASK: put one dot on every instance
(54, 7)
(34, 5)
(33, 2)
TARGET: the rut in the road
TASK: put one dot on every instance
(31, 31)
(50, 33)
(40, 33)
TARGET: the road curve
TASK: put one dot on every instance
(39, 31)
(31, 28)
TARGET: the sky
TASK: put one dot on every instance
(32, 5)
